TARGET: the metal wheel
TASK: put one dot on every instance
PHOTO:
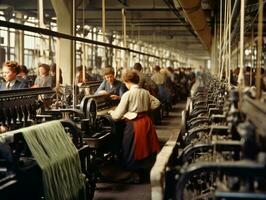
(91, 112)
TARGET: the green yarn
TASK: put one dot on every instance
(58, 159)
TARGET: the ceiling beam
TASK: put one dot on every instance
(193, 12)
(129, 4)
(129, 15)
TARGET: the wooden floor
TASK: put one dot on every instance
(115, 188)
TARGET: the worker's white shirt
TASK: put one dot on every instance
(135, 100)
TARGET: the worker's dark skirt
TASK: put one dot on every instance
(139, 143)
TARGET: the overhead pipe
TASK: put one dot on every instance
(103, 31)
(241, 76)
(73, 53)
(124, 21)
(194, 14)
(259, 56)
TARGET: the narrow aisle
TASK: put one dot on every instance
(171, 124)
(115, 189)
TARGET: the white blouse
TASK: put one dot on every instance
(135, 100)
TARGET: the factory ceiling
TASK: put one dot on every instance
(164, 23)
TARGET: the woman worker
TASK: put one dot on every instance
(140, 143)
(10, 72)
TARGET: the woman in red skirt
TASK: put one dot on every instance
(140, 143)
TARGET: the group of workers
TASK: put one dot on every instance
(136, 94)
(16, 76)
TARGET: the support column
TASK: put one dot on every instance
(19, 41)
(8, 15)
(63, 10)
